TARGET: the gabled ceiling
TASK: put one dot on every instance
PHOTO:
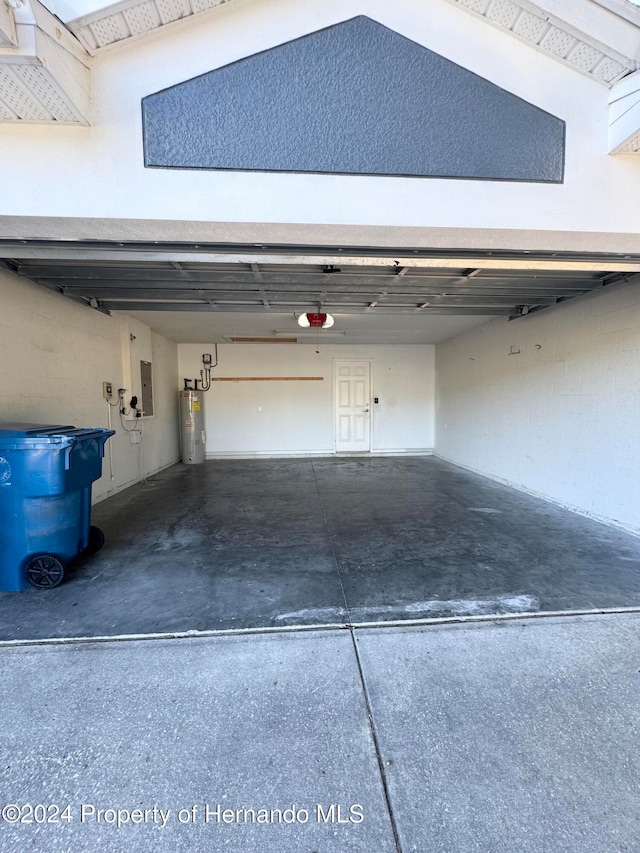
(375, 294)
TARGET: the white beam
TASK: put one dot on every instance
(8, 37)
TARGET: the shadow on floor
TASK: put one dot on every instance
(266, 543)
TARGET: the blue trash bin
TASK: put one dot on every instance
(46, 473)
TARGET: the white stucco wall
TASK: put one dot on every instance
(55, 355)
(98, 171)
(551, 403)
(297, 417)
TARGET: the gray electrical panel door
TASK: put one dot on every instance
(146, 377)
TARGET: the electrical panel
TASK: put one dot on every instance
(146, 380)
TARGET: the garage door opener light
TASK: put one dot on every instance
(315, 321)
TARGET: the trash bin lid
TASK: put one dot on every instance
(22, 430)
(49, 433)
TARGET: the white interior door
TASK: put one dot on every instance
(353, 406)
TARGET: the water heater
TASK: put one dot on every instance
(192, 434)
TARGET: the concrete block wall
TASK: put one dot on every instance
(297, 417)
(55, 355)
(551, 403)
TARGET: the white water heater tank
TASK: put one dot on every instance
(192, 434)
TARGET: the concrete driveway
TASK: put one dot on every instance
(513, 735)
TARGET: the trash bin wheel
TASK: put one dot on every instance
(44, 571)
(96, 540)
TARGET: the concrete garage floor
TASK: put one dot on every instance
(493, 736)
(270, 543)
(332, 541)
(519, 735)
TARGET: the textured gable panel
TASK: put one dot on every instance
(355, 98)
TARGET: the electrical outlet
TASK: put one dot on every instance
(107, 390)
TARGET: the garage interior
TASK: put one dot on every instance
(405, 579)
(482, 276)
(323, 539)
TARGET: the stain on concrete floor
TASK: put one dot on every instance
(266, 543)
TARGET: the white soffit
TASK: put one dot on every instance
(573, 44)
(29, 93)
(133, 19)
(44, 78)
